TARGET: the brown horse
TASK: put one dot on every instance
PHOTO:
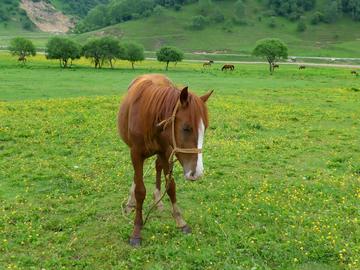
(354, 72)
(156, 118)
(302, 67)
(227, 66)
(208, 63)
(275, 66)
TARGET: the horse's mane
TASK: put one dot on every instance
(157, 97)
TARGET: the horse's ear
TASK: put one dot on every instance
(184, 95)
(206, 96)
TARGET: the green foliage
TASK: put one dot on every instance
(272, 22)
(159, 11)
(169, 54)
(239, 9)
(198, 22)
(290, 8)
(317, 18)
(133, 52)
(205, 7)
(332, 11)
(80, 8)
(217, 16)
(351, 7)
(62, 49)
(101, 50)
(272, 50)
(301, 26)
(22, 48)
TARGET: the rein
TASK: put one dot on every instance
(171, 159)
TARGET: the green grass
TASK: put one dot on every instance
(282, 162)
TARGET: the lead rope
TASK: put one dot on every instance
(171, 160)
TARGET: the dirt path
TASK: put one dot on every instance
(280, 63)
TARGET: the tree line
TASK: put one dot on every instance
(109, 49)
(104, 50)
(328, 13)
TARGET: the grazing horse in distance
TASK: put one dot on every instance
(228, 66)
(157, 118)
(275, 66)
(302, 67)
(208, 63)
(22, 59)
(354, 72)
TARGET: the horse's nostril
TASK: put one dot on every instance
(192, 173)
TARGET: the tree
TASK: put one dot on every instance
(272, 50)
(169, 54)
(133, 52)
(332, 11)
(63, 49)
(101, 50)
(22, 48)
(239, 9)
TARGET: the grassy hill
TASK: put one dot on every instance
(340, 39)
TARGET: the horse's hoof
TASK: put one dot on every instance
(186, 229)
(135, 241)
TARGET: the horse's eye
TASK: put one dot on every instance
(187, 129)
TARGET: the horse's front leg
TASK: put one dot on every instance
(140, 193)
(171, 191)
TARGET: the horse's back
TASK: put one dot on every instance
(130, 106)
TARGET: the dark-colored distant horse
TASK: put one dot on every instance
(275, 66)
(156, 118)
(302, 67)
(228, 66)
(208, 63)
(354, 72)
(22, 58)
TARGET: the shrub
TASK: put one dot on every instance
(217, 17)
(198, 22)
(301, 26)
(317, 18)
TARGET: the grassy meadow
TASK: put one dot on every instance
(281, 188)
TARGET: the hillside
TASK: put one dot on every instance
(219, 32)
(340, 39)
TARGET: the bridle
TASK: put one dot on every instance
(176, 149)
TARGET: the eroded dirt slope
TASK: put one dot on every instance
(46, 17)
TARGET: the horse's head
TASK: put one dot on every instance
(191, 122)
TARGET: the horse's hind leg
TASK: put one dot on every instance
(140, 193)
(157, 191)
(171, 191)
(131, 203)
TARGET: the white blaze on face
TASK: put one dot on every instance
(199, 170)
(199, 165)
